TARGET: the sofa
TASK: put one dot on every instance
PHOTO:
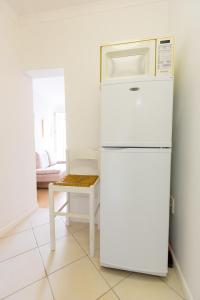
(48, 169)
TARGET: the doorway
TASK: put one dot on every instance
(49, 129)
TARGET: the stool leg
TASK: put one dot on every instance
(68, 209)
(92, 222)
(98, 201)
(52, 217)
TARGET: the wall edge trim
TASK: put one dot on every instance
(4, 230)
(181, 276)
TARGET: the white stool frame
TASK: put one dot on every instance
(92, 210)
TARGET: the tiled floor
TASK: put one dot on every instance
(30, 271)
(42, 197)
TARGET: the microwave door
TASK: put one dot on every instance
(128, 60)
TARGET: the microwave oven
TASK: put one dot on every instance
(152, 57)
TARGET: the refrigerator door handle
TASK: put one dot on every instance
(134, 89)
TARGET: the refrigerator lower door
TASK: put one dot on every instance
(135, 193)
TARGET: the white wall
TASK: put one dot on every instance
(71, 39)
(17, 176)
(185, 231)
(48, 99)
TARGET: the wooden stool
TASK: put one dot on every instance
(85, 184)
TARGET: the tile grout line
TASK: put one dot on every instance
(110, 287)
(14, 233)
(36, 226)
(21, 289)
(33, 281)
(46, 275)
(98, 269)
(128, 275)
(79, 244)
(18, 290)
(57, 239)
(115, 294)
(99, 298)
(12, 257)
(7, 235)
(122, 280)
(65, 266)
(21, 253)
(31, 229)
(94, 267)
(47, 222)
(78, 230)
(173, 289)
(37, 247)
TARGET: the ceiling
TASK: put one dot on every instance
(24, 7)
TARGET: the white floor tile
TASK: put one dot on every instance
(59, 199)
(40, 217)
(67, 251)
(112, 276)
(78, 281)
(72, 274)
(18, 272)
(22, 226)
(77, 226)
(141, 287)
(15, 244)
(174, 282)
(42, 233)
(82, 237)
(108, 296)
(43, 199)
(36, 291)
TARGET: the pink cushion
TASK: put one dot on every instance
(49, 177)
(60, 167)
(44, 160)
(52, 158)
(37, 158)
(52, 173)
(47, 171)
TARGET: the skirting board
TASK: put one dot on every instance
(187, 291)
(4, 230)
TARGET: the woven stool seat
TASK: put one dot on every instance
(78, 180)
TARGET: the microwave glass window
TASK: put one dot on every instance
(128, 62)
(126, 66)
(128, 59)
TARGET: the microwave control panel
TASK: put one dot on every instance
(164, 64)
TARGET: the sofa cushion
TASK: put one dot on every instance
(37, 158)
(60, 167)
(52, 173)
(46, 171)
(44, 160)
(49, 177)
(52, 158)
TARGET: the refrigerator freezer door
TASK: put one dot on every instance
(137, 114)
(135, 192)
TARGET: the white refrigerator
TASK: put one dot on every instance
(136, 133)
